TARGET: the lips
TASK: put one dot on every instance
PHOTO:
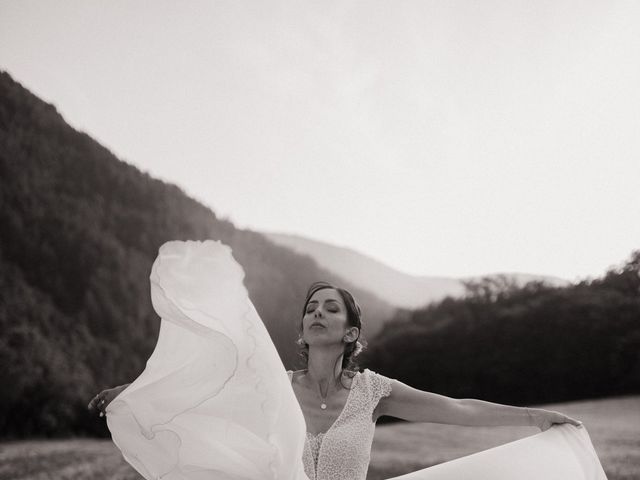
(316, 324)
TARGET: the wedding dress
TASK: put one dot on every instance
(215, 401)
(343, 451)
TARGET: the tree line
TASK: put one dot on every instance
(522, 345)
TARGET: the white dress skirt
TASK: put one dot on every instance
(215, 401)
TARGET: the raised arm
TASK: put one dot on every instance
(416, 405)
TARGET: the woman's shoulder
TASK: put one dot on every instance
(379, 385)
(372, 374)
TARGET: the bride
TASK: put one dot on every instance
(214, 400)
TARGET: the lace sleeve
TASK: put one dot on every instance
(380, 386)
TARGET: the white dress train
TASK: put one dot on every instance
(215, 401)
(563, 452)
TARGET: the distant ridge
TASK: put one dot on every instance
(398, 288)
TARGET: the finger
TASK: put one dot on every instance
(575, 422)
(93, 403)
(96, 403)
(572, 421)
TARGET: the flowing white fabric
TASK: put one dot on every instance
(215, 402)
(563, 452)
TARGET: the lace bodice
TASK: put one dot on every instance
(343, 451)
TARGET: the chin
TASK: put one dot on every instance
(322, 342)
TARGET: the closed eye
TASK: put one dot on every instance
(332, 306)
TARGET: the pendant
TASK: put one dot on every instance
(323, 406)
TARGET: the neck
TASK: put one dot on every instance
(324, 367)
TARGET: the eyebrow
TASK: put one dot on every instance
(329, 300)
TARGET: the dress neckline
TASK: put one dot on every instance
(344, 408)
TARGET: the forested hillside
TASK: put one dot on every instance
(523, 345)
(79, 232)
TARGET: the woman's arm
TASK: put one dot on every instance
(416, 405)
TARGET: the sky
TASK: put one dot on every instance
(443, 137)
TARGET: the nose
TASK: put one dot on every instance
(317, 313)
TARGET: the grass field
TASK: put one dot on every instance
(613, 424)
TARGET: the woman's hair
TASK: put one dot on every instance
(354, 319)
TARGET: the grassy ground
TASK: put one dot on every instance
(613, 424)
(63, 460)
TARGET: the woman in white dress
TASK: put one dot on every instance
(212, 402)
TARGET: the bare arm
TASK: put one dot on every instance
(416, 405)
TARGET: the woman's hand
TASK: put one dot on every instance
(544, 419)
(100, 401)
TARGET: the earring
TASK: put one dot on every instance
(300, 341)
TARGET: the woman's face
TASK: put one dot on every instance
(325, 318)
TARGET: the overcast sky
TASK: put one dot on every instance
(440, 137)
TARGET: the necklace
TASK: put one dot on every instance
(323, 405)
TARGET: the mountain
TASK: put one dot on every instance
(80, 231)
(399, 289)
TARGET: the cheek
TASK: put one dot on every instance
(306, 322)
(339, 322)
